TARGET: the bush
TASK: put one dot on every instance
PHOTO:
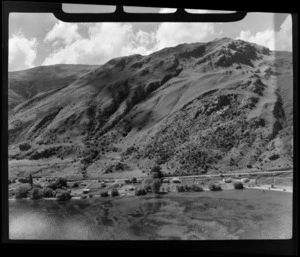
(215, 187)
(195, 188)
(24, 147)
(75, 185)
(23, 180)
(91, 196)
(274, 157)
(48, 193)
(59, 183)
(180, 188)
(22, 191)
(140, 191)
(238, 185)
(133, 180)
(62, 195)
(155, 186)
(104, 194)
(114, 192)
(35, 194)
(62, 182)
(53, 185)
(9, 181)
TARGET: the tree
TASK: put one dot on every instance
(30, 180)
(215, 187)
(47, 193)
(114, 192)
(62, 195)
(22, 191)
(238, 185)
(104, 194)
(36, 193)
(147, 184)
(155, 186)
(62, 182)
(140, 191)
(156, 172)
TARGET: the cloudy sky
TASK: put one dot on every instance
(41, 39)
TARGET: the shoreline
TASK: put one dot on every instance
(267, 188)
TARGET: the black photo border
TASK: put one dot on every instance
(208, 247)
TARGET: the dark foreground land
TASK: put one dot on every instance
(248, 214)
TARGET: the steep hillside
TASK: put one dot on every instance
(194, 108)
(24, 85)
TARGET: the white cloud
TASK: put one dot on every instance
(275, 40)
(172, 34)
(104, 42)
(22, 52)
(64, 31)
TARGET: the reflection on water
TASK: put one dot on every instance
(218, 215)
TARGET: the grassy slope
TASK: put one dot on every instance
(116, 86)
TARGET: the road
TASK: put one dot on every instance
(194, 176)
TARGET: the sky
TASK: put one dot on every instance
(41, 39)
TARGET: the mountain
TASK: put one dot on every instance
(23, 85)
(195, 108)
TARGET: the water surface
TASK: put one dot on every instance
(229, 214)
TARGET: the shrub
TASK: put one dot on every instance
(180, 188)
(22, 191)
(155, 186)
(59, 183)
(114, 192)
(62, 182)
(62, 195)
(238, 185)
(24, 147)
(48, 193)
(249, 166)
(195, 188)
(9, 181)
(140, 191)
(104, 194)
(187, 188)
(215, 187)
(23, 180)
(274, 157)
(75, 184)
(90, 195)
(53, 185)
(35, 194)
(133, 180)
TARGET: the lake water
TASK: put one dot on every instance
(229, 214)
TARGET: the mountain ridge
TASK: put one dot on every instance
(165, 108)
